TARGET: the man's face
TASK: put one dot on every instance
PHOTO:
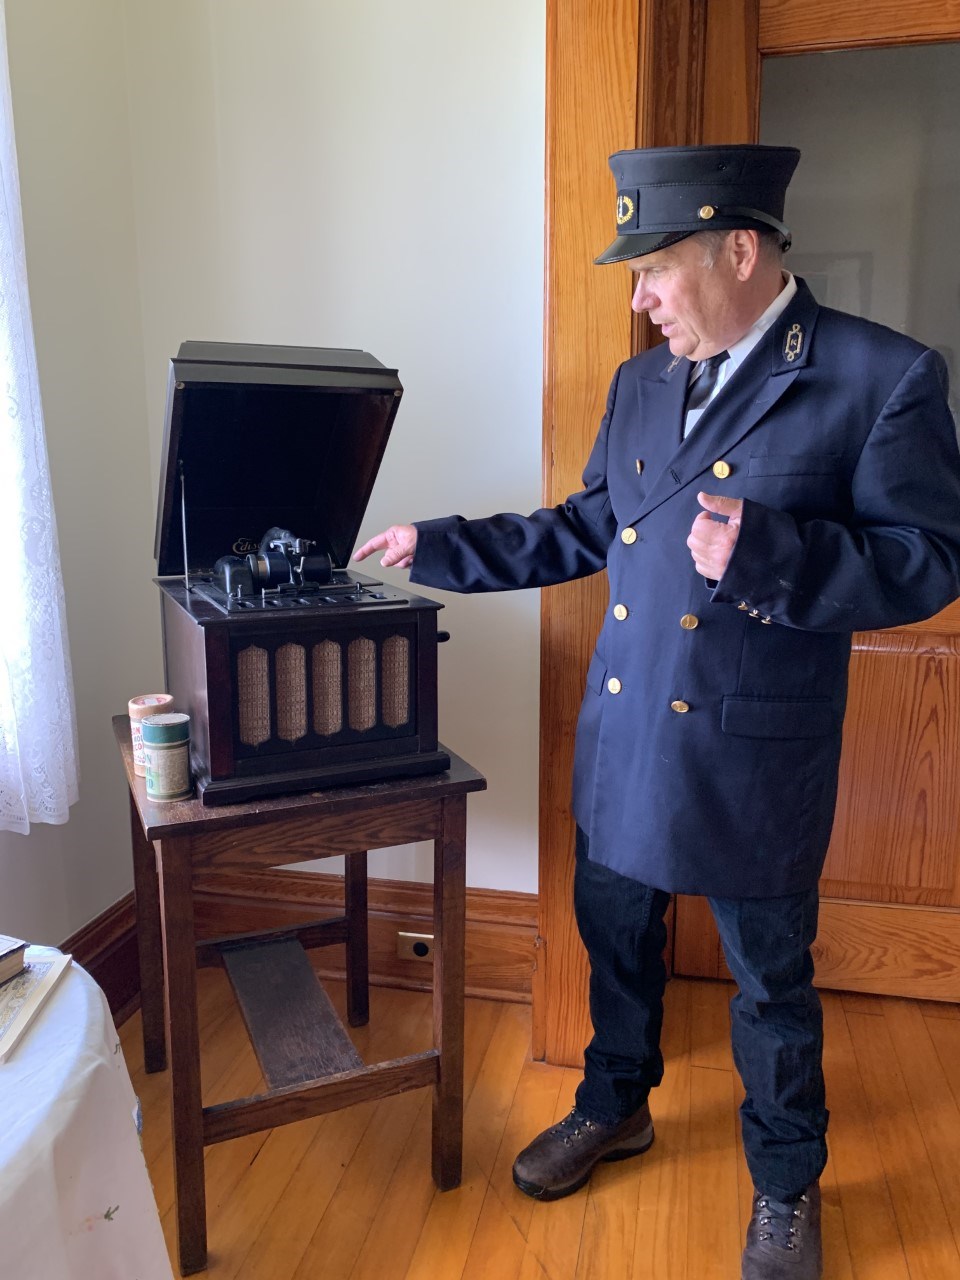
(695, 305)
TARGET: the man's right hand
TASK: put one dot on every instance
(399, 542)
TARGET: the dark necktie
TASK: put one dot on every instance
(701, 388)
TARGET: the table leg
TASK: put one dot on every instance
(147, 903)
(183, 1046)
(449, 911)
(358, 978)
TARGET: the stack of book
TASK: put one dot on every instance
(12, 953)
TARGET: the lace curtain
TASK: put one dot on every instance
(38, 740)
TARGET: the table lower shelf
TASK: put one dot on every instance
(307, 1058)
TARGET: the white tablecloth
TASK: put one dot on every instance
(75, 1198)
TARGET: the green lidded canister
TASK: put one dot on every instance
(166, 749)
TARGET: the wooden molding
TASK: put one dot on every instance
(107, 949)
(819, 25)
(876, 948)
(501, 931)
(501, 926)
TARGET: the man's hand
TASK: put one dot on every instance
(399, 542)
(711, 542)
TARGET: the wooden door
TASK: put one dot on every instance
(668, 72)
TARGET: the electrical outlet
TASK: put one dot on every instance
(415, 946)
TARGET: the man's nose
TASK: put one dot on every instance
(643, 298)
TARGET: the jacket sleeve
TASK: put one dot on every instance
(897, 559)
(507, 552)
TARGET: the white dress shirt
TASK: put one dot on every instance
(739, 351)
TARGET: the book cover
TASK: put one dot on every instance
(22, 998)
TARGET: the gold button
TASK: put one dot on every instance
(639, 467)
(620, 611)
(628, 536)
(766, 620)
(754, 613)
(689, 621)
(706, 212)
(680, 706)
(721, 470)
(614, 685)
(743, 605)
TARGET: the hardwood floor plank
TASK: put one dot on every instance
(929, 1246)
(663, 1198)
(278, 1249)
(713, 1221)
(490, 1100)
(608, 1238)
(857, 1002)
(945, 1035)
(869, 1222)
(935, 1107)
(555, 1227)
(497, 1247)
(940, 1009)
(392, 1241)
(534, 1107)
(710, 1025)
(336, 1244)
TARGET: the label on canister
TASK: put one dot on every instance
(145, 704)
(166, 748)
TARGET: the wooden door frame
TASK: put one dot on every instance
(625, 73)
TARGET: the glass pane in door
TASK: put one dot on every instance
(875, 203)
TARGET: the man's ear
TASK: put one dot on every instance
(744, 246)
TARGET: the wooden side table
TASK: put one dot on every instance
(308, 1061)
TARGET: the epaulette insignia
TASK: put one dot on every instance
(793, 344)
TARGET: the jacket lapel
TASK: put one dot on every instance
(771, 367)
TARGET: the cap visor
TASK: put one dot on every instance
(642, 242)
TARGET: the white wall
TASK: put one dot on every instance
(362, 175)
(70, 111)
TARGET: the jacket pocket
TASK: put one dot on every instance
(794, 464)
(596, 672)
(780, 717)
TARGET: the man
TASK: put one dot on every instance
(775, 478)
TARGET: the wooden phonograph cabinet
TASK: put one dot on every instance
(296, 673)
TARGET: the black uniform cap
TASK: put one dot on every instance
(665, 194)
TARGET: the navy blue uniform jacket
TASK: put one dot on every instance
(846, 457)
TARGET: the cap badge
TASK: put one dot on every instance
(706, 212)
(625, 208)
(793, 343)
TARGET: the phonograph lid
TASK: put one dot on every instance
(260, 436)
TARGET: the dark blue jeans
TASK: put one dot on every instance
(777, 1025)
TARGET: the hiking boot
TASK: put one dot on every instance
(783, 1240)
(561, 1159)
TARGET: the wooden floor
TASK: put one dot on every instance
(350, 1194)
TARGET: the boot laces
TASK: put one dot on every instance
(572, 1127)
(781, 1223)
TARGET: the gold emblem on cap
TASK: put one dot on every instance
(706, 212)
(793, 343)
(625, 209)
(721, 469)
